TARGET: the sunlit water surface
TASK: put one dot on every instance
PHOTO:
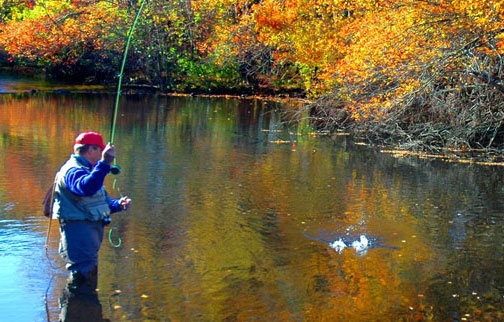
(238, 216)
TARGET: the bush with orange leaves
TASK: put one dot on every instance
(426, 75)
(56, 32)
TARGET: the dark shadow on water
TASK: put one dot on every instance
(80, 304)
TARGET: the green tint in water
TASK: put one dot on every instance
(233, 214)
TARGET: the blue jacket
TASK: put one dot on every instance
(81, 183)
(79, 194)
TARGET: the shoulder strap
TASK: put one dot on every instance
(48, 200)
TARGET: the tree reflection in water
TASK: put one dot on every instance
(223, 204)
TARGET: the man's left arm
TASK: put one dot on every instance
(118, 204)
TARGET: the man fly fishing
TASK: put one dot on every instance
(82, 207)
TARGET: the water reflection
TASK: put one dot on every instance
(235, 215)
(22, 280)
(79, 305)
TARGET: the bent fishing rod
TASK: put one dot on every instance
(116, 169)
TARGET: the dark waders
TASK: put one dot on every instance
(79, 246)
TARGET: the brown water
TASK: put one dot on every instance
(230, 223)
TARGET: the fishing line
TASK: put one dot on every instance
(46, 245)
(46, 299)
(119, 240)
(115, 168)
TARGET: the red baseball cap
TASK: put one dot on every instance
(91, 138)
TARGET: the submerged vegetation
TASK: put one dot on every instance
(426, 74)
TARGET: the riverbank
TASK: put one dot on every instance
(402, 143)
(414, 140)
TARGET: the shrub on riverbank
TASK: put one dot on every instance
(460, 107)
(428, 76)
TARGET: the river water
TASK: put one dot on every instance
(238, 216)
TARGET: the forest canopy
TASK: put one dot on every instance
(392, 62)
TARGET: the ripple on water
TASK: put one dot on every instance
(23, 279)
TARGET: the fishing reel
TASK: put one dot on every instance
(106, 220)
(115, 169)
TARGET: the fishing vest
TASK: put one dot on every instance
(69, 206)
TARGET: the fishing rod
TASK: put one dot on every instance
(116, 169)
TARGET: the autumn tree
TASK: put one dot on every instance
(435, 63)
(67, 36)
(171, 38)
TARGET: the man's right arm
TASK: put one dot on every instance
(82, 183)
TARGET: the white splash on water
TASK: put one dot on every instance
(338, 245)
(361, 245)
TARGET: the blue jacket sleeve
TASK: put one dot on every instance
(114, 205)
(82, 183)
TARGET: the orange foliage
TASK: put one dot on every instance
(54, 29)
(348, 45)
(375, 54)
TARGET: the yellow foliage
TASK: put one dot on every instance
(344, 44)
